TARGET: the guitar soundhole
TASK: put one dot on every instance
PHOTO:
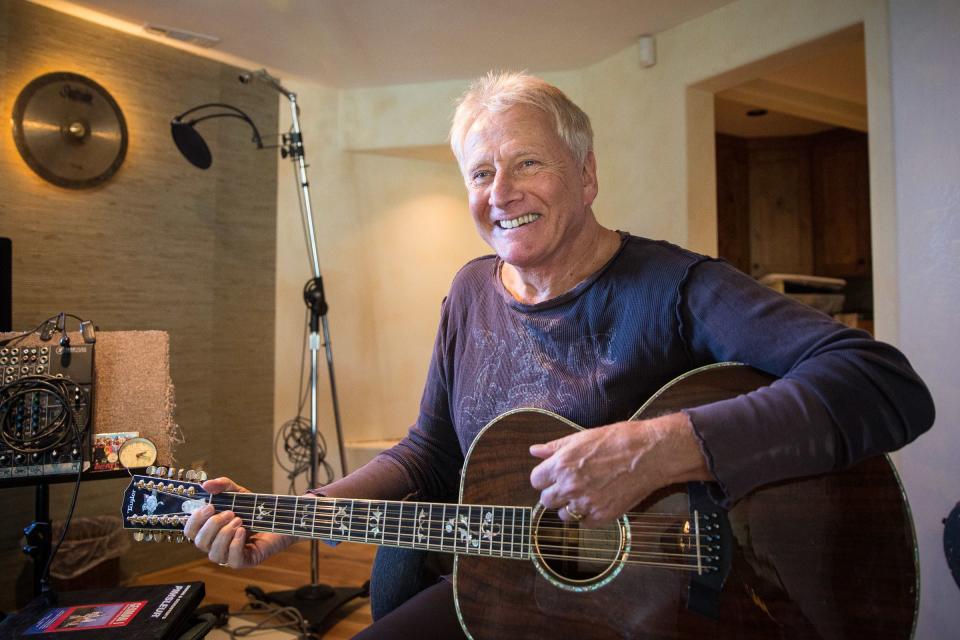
(575, 557)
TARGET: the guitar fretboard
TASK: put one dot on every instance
(500, 531)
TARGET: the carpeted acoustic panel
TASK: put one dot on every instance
(132, 387)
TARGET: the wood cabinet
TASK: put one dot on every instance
(841, 204)
(795, 204)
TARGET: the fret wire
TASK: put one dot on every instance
(429, 523)
(443, 525)
(513, 527)
(483, 530)
(399, 524)
(332, 517)
(523, 531)
(383, 506)
(503, 527)
(466, 539)
(350, 521)
(366, 525)
(297, 514)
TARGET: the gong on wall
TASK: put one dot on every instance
(69, 130)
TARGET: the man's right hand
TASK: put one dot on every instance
(222, 535)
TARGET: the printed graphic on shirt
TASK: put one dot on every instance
(530, 367)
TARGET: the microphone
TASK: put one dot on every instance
(264, 76)
(190, 143)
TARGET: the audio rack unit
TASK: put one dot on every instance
(34, 412)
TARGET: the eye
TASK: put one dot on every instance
(480, 176)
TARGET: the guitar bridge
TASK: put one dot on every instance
(712, 541)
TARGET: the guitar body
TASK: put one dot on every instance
(831, 556)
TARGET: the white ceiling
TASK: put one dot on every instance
(360, 43)
(825, 90)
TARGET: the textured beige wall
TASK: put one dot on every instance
(159, 246)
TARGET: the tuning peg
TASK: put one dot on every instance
(160, 472)
(180, 473)
(147, 536)
(158, 537)
(201, 476)
(138, 536)
(180, 538)
(150, 470)
(171, 473)
(191, 475)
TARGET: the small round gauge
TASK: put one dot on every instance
(136, 453)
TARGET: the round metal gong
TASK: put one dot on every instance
(69, 130)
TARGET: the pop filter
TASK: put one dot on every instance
(190, 143)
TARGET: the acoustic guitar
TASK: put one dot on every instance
(830, 556)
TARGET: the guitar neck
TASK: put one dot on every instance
(499, 531)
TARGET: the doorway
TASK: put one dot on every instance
(792, 175)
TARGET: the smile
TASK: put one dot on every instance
(518, 222)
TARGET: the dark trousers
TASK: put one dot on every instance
(409, 598)
(428, 615)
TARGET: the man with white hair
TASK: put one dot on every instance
(588, 322)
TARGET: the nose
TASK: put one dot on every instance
(504, 190)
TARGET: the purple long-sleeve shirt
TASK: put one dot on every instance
(653, 312)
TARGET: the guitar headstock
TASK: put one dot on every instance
(157, 504)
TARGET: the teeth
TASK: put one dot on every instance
(517, 222)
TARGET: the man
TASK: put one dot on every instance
(588, 322)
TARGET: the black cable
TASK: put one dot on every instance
(68, 420)
(20, 336)
(45, 587)
(296, 436)
(17, 339)
(43, 393)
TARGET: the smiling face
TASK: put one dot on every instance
(527, 195)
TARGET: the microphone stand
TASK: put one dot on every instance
(315, 601)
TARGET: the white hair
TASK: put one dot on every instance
(497, 92)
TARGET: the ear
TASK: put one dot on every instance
(588, 176)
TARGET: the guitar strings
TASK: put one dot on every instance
(640, 522)
(287, 525)
(641, 518)
(548, 551)
(325, 507)
(630, 560)
(332, 503)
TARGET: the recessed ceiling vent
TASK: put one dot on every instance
(190, 37)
